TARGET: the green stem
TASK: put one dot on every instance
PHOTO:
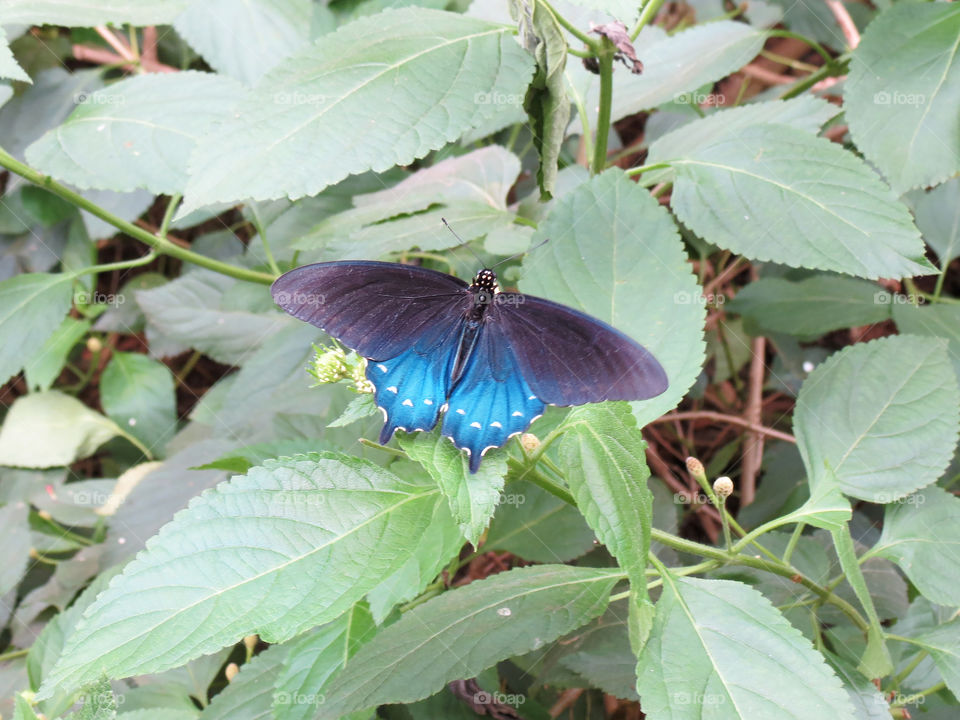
(792, 543)
(633, 172)
(122, 265)
(914, 697)
(263, 239)
(605, 60)
(160, 243)
(837, 66)
(168, 214)
(584, 118)
(905, 673)
(576, 32)
(804, 39)
(529, 472)
(13, 654)
(649, 12)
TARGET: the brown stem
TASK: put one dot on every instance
(845, 22)
(753, 446)
(731, 419)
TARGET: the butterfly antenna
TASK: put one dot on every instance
(463, 242)
(515, 256)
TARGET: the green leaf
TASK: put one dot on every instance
(50, 429)
(602, 455)
(813, 306)
(876, 661)
(538, 526)
(341, 99)
(770, 193)
(486, 621)
(137, 133)
(546, 102)
(314, 659)
(22, 709)
(858, 413)
(867, 701)
(614, 253)
(32, 306)
(9, 67)
(44, 367)
(138, 392)
(807, 113)
(938, 217)
(360, 407)
(919, 536)
(245, 40)
(719, 649)
(99, 702)
(15, 544)
(943, 644)
(937, 320)
(437, 546)
(472, 497)
(826, 508)
(251, 694)
(271, 553)
(90, 13)
(902, 97)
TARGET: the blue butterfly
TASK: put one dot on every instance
(489, 360)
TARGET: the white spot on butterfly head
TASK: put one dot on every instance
(392, 388)
(475, 425)
(427, 401)
(496, 424)
(504, 612)
(408, 402)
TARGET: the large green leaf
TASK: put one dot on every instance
(938, 217)
(44, 367)
(943, 644)
(812, 306)
(770, 192)
(50, 429)
(244, 40)
(137, 133)
(856, 419)
(250, 696)
(937, 320)
(89, 13)
(314, 659)
(473, 497)
(138, 393)
(464, 631)
(719, 649)
(919, 534)
(902, 98)
(9, 68)
(32, 306)
(292, 544)
(348, 100)
(602, 454)
(614, 252)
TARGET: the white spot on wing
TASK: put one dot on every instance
(475, 425)
(496, 424)
(517, 413)
(532, 397)
(408, 402)
(461, 411)
(392, 388)
(382, 367)
(427, 401)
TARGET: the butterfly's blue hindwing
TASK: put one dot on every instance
(491, 401)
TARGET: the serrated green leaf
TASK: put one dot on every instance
(826, 508)
(314, 659)
(90, 13)
(472, 497)
(271, 552)
(138, 392)
(360, 407)
(137, 133)
(937, 320)
(538, 526)
(32, 307)
(902, 98)
(770, 193)
(938, 217)
(245, 40)
(484, 622)
(9, 67)
(44, 367)
(858, 413)
(943, 644)
(99, 702)
(251, 694)
(50, 429)
(14, 544)
(867, 701)
(919, 535)
(813, 306)
(719, 649)
(614, 253)
(341, 100)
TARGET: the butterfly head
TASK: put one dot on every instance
(485, 286)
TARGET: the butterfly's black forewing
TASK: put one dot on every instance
(378, 309)
(569, 358)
